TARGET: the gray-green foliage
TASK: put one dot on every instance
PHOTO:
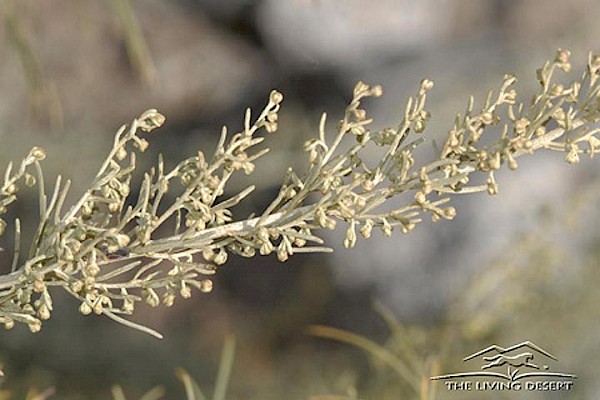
(110, 254)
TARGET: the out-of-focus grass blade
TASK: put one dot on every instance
(34, 395)
(399, 332)
(225, 367)
(192, 391)
(117, 393)
(374, 349)
(135, 42)
(154, 394)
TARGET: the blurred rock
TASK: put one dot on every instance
(349, 34)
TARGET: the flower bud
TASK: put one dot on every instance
(85, 308)
(150, 120)
(206, 286)
(275, 97)
(38, 153)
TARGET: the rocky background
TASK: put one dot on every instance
(519, 266)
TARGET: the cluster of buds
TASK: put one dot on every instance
(10, 185)
(110, 258)
(315, 149)
(271, 118)
(114, 194)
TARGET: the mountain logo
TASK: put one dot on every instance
(523, 365)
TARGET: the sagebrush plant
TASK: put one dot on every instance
(118, 245)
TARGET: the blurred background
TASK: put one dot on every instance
(520, 266)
